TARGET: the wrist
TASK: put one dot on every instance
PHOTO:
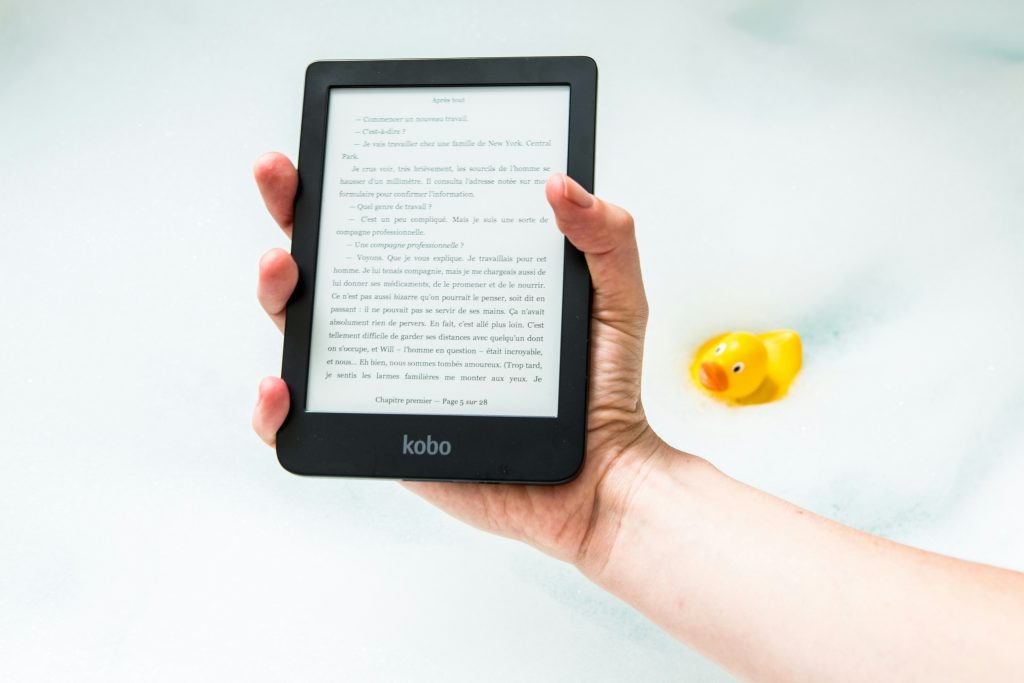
(645, 474)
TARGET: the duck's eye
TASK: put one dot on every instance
(719, 349)
(738, 368)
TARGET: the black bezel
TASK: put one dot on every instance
(489, 449)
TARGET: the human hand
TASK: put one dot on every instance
(576, 521)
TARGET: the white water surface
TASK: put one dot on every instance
(851, 170)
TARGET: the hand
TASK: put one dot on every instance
(577, 521)
(743, 577)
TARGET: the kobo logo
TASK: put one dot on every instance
(425, 447)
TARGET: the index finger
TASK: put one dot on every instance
(278, 181)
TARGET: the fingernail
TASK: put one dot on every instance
(262, 390)
(575, 193)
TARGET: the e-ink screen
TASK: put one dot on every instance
(438, 286)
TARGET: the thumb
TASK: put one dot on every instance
(604, 233)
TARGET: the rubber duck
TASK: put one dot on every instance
(745, 369)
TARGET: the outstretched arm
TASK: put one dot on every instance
(770, 591)
(775, 593)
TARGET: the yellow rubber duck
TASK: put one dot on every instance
(747, 369)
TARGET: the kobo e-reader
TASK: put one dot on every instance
(439, 328)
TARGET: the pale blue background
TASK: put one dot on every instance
(854, 170)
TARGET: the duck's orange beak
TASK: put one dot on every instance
(713, 376)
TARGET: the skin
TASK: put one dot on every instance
(768, 590)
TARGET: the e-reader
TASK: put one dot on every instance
(439, 328)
